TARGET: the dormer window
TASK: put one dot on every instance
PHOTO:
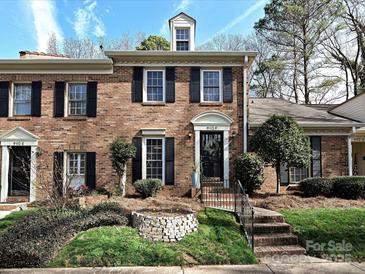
(182, 39)
(182, 28)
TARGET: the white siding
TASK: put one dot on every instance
(352, 109)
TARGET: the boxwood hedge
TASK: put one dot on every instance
(347, 187)
(34, 240)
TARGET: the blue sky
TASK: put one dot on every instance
(26, 24)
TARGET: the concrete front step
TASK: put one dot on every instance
(12, 206)
(261, 251)
(275, 239)
(271, 228)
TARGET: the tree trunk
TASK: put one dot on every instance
(122, 182)
(305, 67)
(278, 178)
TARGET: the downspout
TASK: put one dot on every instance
(245, 105)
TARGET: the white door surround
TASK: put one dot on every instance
(213, 121)
(18, 137)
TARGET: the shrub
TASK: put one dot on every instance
(347, 187)
(33, 241)
(148, 187)
(250, 170)
(316, 186)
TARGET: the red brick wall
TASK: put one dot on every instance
(334, 162)
(117, 116)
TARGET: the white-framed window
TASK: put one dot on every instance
(76, 169)
(298, 174)
(154, 85)
(77, 98)
(153, 149)
(182, 39)
(211, 85)
(22, 99)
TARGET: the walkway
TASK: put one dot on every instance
(322, 268)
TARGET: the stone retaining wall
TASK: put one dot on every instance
(161, 228)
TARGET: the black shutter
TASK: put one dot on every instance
(36, 98)
(227, 85)
(91, 99)
(90, 169)
(58, 172)
(169, 160)
(4, 99)
(137, 84)
(170, 84)
(59, 99)
(137, 161)
(316, 164)
(195, 85)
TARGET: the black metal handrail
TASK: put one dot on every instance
(224, 194)
(246, 216)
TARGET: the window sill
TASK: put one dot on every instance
(211, 104)
(20, 118)
(75, 118)
(153, 104)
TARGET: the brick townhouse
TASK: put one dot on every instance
(180, 108)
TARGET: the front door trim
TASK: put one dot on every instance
(18, 137)
(213, 121)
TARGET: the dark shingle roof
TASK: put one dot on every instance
(260, 109)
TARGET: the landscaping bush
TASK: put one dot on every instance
(316, 186)
(34, 240)
(148, 187)
(250, 171)
(347, 187)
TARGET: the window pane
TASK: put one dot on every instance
(77, 99)
(22, 99)
(155, 86)
(182, 34)
(76, 170)
(154, 160)
(211, 86)
(182, 45)
(316, 156)
(298, 174)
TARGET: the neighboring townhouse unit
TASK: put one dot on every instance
(331, 136)
(180, 108)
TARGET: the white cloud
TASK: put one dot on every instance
(86, 21)
(45, 23)
(240, 18)
(183, 5)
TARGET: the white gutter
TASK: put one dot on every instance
(245, 105)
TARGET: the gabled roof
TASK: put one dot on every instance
(182, 13)
(354, 108)
(260, 109)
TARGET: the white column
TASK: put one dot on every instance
(197, 154)
(226, 158)
(4, 173)
(33, 174)
(349, 155)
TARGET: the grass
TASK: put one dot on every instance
(14, 216)
(217, 241)
(333, 227)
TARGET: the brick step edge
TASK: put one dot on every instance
(271, 228)
(275, 239)
(268, 219)
(262, 251)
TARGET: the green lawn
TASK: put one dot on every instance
(323, 225)
(217, 241)
(12, 217)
